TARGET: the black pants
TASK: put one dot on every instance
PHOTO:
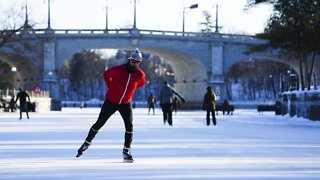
(23, 108)
(109, 108)
(151, 106)
(167, 113)
(213, 117)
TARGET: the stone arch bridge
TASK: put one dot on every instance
(198, 59)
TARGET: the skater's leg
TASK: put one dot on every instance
(108, 108)
(126, 114)
(165, 117)
(208, 117)
(213, 118)
(26, 108)
(20, 114)
(21, 110)
(169, 111)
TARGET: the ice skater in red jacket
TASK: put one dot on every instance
(122, 82)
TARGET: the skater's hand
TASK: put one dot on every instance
(182, 99)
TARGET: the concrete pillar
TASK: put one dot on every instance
(216, 78)
(50, 78)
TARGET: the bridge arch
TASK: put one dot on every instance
(27, 74)
(190, 73)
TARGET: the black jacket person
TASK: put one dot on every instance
(22, 96)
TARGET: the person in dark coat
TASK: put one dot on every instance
(225, 106)
(166, 100)
(209, 104)
(151, 103)
(22, 96)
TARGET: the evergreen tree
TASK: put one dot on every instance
(293, 28)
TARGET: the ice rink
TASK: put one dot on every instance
(243, 146)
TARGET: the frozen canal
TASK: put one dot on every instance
(242, 146)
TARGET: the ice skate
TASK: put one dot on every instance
(83, 148)
(127, 157)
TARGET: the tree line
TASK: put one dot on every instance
(293, 28)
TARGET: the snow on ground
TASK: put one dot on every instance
(243, 146)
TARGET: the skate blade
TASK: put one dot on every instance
(77, 157)
(128, 161)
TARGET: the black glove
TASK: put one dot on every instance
(203, 108)
(182, 99)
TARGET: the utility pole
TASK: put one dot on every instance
(26, 22)
(49, 18)
(134, 15)
(107, 17)
(217, 27)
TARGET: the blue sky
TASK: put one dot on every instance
(151, 14)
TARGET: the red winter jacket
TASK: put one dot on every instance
(121, 84)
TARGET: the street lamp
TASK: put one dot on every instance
(49, 15)
(107, 8)
(50, 75)
(193, 6)
(135, 15)
(14, 69)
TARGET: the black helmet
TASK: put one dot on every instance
(136, 55)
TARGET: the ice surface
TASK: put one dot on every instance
(243, 146)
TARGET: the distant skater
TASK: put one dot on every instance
(12, 104)
(22, 96)
(151, 103)
(166, 100)
(122, 81)
(209, 104)
(226, 107)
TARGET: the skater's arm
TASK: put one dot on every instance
(107, 76)
(28, 98)
(180, 97)
(18, 96)
(142, 81)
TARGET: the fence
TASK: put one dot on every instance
(302, 104)
(5, 94)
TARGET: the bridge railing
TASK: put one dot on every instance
(134, 32)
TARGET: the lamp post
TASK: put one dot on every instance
(135, 15)
(14, 69)
(217, 27)
(193, 6)
(50, 75)
(107, 8)
(49, 15)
